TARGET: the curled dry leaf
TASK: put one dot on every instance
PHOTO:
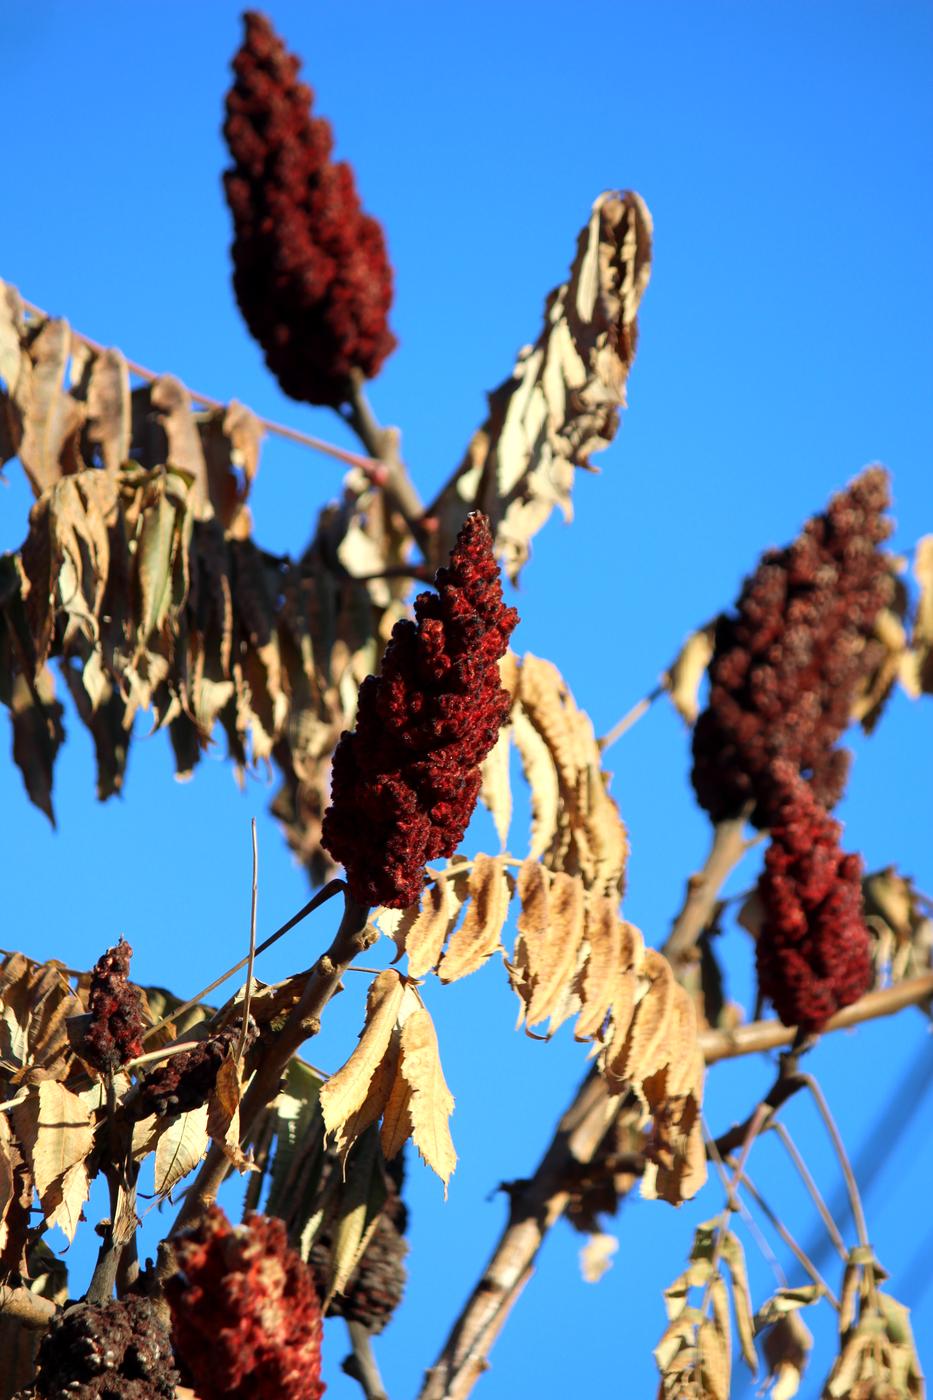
(917, 670)
(394, 1073)
(54, 1127)
(683, 677)
(345, 1093)
(479, 935)
(561, 402)
(576, 825)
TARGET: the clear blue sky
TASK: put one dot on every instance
(785, 153)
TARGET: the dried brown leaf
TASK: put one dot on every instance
(683, 677)
(561, 402)
(597, 978)
(51, 419)
(441, 903)
(553, 955)
(496, 789)
(596, 1256)
(587, 836)
(917, 671)
(346, 1091)
(54, 1127)
(180, 1147)
(479, 935)
(431, 1102)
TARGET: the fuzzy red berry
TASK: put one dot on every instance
(405, 782)
(787, 665)
(310, 269)
(246, 1321)
(814, 951)
(115, 1030)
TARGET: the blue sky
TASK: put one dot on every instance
(785, 153)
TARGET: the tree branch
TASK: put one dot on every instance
(352, 937)
(360, 1365)
(383, 444)
(542, 1200)
(703, 888)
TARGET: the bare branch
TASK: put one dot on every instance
(353, 936)
(361, 1363)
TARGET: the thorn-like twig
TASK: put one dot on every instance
(248, 994)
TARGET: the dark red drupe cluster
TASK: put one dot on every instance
(787, 665)
(187, 1080)
(311, 272)
(377, 1285)
(104, 1351)
(405, 782)
(814, 951)
(246, 1321)
(113, 1035)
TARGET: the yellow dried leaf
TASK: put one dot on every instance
(431, 1102)
(347, 1090)
(917, 670)
(647, 1040)
(479, 935)
(440, 907)
(496, 789)
(559, 404)
(54, 1127)
(532, 888)
(596, 1256)
(541, 777)
(682, 678)
(180, 1148)
(555, 954)
(596, 981)
(396, 1119)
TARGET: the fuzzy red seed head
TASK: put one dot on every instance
(405, 782)
(814, 951)
(116, 1026)
(246, 1321)
(787, 664)
(310, 269)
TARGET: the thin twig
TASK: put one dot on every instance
(383, 445)
(354, 935)
(323, 895)
(855, 1199)
(703, 888)
(361, 1363)
(175, 1047)
(752, 1129)
(374, 470)
(803, 1170)
(771, 1035)
(248, 994)
(805, 1262)
(631, 717)
(751, 1224)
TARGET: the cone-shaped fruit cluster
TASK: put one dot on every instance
(100, 1351)
(113, 1035)
(377, 1285)
(246, 1321)
(405, 782)
(186, 1081)
(787, 665)
(310, 269)
(814, 951)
